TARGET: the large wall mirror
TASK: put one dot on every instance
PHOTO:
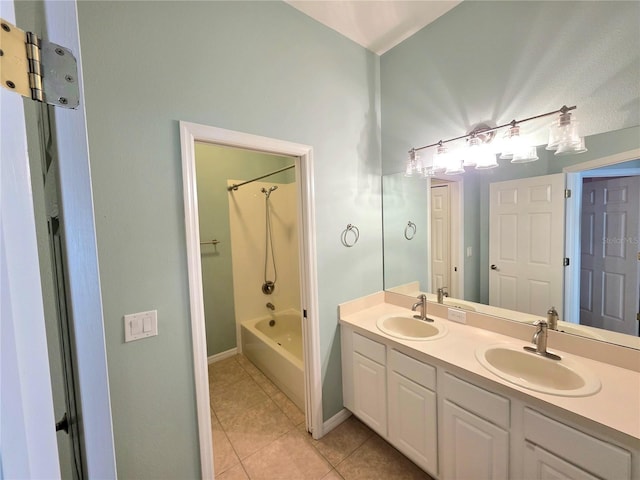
(448, 232)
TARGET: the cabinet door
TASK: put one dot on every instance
(473, 448)
(412, 421)
(542, 465)
(370, 393)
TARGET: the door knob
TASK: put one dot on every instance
(494, 267)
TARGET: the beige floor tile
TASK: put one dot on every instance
(256, 427)
(224, 373)
(377, 460)
(289, 408)
(290, 457)
(234, 399)
(340, 442)
(235, 473)
(266, 384)
(224, 457)
(332, 475)
(249, 367)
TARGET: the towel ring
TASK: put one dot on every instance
(344, 237)
(410, 231)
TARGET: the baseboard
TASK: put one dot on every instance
(334, 421)
(222, 355)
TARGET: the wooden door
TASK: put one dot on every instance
(526, 244)
(610, 268)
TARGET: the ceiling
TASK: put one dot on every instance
(377, 25)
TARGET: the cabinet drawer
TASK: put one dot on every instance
(413, 369)
(487, 405)
(589, 453)
(369, 348)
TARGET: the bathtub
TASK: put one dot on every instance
(277, 351)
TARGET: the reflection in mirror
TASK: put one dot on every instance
(479, 278)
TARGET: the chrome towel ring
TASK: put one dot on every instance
(344, 238)
(410, 231)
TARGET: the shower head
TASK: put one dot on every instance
(268, 192)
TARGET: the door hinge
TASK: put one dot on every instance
(565, 262)
(37, 69)
(567, 193)
(304, 313)
(638, 316)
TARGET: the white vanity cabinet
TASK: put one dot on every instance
(412, 409)
(370, 382)
(457, 427)
(555, 450)
(475, 432)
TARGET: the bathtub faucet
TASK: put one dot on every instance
(270, 306)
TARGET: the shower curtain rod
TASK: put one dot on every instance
(236, 185)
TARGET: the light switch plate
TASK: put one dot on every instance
(140, 325)
(457, 315)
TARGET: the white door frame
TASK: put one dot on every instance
(26, 402)
(76, 201)
(575, 174)
(190, 133)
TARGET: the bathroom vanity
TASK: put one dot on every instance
(429, 395)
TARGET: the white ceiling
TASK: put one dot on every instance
(377, 25)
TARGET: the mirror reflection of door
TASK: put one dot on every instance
(610, 268)
(440, 236)
(446, 232)
(526, 244)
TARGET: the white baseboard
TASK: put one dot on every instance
(222, 355)
(334, 421)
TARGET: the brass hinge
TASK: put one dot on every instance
(37, 69)
(567, 193)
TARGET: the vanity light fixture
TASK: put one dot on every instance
(564, 139)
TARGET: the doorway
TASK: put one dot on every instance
(302, 155)
(446, 234)
(610, 273)
(623, 164)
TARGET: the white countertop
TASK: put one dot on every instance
(616, 405)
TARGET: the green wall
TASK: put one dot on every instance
(257, 67)
(214, 166)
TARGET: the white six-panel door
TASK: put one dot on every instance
(440, 237)
(610, 268)
(526, 244)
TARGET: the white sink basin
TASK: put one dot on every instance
(557, 377)
(409, 328)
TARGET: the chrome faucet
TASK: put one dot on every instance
(423, 308)
(442, 292)
(552, 318)
(270, 306)
(540, 341)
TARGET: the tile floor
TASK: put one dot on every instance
(259, 434)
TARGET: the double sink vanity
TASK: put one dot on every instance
(462, 398)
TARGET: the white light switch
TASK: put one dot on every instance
(140, 325)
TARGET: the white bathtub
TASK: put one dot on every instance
(277, 351)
